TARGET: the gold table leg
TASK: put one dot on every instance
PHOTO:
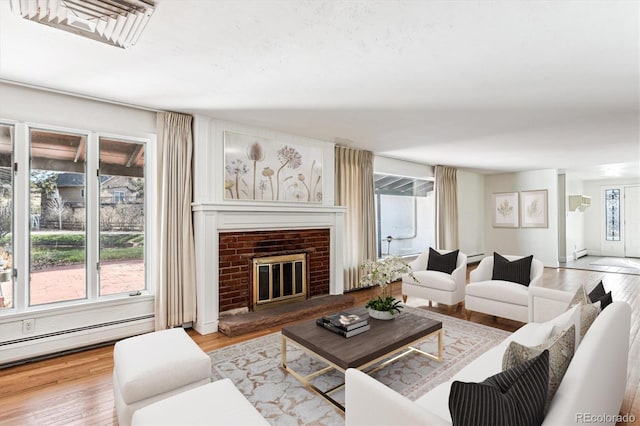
(386, 360)
(284, 352)
(305, 380)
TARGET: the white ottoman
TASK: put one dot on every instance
(217, 403)
(153, 366)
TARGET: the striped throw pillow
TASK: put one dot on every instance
(514, 397)
(517, 271)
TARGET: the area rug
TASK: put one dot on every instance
(254, 367)
(618, 261)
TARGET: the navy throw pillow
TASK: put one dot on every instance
(442, 262)
(513, 397)
(517, 271)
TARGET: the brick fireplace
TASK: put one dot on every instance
(228, 236)
(238, 249)
(215, 216)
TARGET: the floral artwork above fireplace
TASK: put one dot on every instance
(261, 169)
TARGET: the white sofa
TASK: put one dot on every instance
(594, 383)
(499, 298)
(436, 286)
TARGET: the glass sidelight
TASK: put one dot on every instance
(122, 216)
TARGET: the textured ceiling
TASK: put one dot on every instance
(483, 85)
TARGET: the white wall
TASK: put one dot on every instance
(594, 215)
(541, 242)
(38, 106)
(574, 224)
(471, 214)
(61, 328)
(562, 222)
(392, 166)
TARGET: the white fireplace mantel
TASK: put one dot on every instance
(210, 219)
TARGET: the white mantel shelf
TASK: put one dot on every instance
(279, 207)
(211, 219)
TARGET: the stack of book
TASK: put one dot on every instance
(345, 324)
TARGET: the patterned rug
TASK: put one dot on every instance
(620, 262)
(254, 367)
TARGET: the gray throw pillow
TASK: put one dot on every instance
(560, 346)
(579, 296)
(588, 314)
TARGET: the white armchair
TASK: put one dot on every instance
(436, 286)
(500, 298)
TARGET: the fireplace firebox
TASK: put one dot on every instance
(279, 279)
(239, 249)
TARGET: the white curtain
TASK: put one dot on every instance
(354, 190)
(446, 208)
(176, 286)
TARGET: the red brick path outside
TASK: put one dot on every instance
(68, 282)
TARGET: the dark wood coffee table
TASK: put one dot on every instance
(385, 342)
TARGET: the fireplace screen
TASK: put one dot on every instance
(279, 279)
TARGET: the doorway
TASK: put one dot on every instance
(621, 224)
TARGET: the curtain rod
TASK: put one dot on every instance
(77, 95)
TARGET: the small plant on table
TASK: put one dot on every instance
(382, 272)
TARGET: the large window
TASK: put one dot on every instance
(83, 232)
(121, 216)
(58, 230)
(405, 210)
(6, 217)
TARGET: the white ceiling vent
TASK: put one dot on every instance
(115, 22)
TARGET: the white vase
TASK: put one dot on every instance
(381, 315)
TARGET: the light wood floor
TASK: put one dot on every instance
(76, 389)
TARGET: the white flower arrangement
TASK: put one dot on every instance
(384, 271)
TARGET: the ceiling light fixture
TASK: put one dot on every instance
(116, 22)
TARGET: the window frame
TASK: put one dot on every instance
(118, 197)
(12, 125)
(89, 280)
(148, 221)
(377, 197)
(21, 221)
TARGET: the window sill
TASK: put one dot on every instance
(10, 315)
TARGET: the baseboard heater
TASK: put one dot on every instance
(75, 330)
(69, 350)
(51, 355)
(474, 258)
(579, 253)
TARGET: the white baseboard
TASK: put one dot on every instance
(208, 328)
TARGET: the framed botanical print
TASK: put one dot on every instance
(534, 209)
(505, 210)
